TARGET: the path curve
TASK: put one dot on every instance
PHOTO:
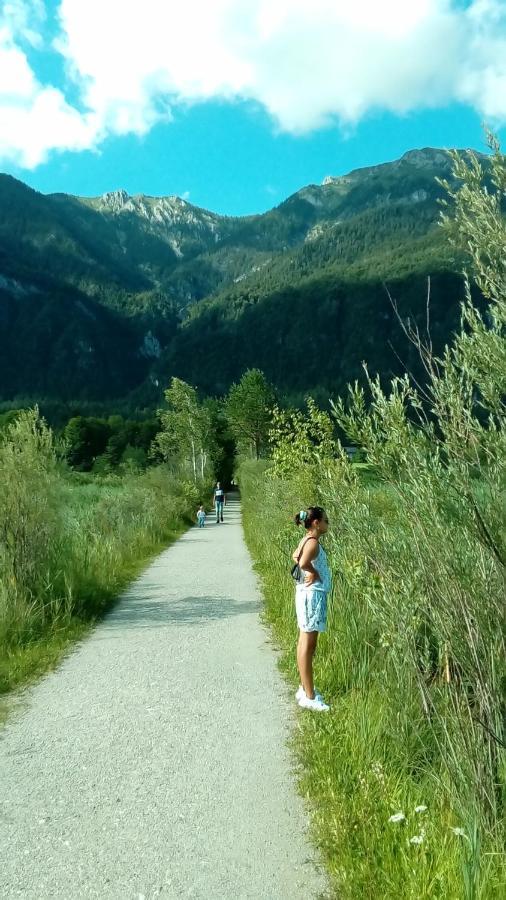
(152, 762)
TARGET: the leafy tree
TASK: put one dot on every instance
(301, 439)
(443, 454)
(116, 444)
(185, 428)
(223, 446)
(134, 457)
(248, 410)
(88, 438)
(85, 439)
(9, 417)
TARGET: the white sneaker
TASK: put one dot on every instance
(316, 704)
(301, 693)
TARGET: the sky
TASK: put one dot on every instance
(236, 104)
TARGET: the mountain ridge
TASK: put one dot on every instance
(162, 267)
(422, 157)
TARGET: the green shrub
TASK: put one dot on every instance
(414, 660)
(70, 541)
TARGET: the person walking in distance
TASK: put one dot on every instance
(311, 593)
(201, 516)
(220, 500)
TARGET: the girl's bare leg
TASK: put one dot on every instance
(306, 647)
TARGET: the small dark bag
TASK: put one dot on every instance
(296, 573)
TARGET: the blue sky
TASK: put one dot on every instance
(237, 107)
(227, 157)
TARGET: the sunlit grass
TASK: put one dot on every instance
(69, 544)
(26, 654)
(376, 755)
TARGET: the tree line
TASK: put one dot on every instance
(202, 434)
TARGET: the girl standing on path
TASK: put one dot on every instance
(311, 601)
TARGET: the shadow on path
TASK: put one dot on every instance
(180, 610)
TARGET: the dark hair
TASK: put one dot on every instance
(309, 516)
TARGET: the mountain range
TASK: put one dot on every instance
(107, 297)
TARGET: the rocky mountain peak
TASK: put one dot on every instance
(427, 158)
(336, 179)
(115, 200)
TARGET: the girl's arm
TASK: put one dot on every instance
(295, 554)
(309, 553)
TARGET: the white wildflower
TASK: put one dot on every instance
(420, 809)
(377, 769)
(397, 817)
(459, 832)
(416, 839)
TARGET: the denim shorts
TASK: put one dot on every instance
(311, 608)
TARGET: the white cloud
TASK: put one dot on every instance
(17, 81)
(23, 19)
(34, 119)
(307, 62)
(483, 84)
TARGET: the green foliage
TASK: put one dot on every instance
(414, 659)
(85, 439)
(186, 430)
(29, 507)
(221, 442)
(473, 216)
(70, 541)
(96, 305)
(248, 412)
(309, 333)
(101, 444)
(8, 417)
(134, 457)
(300, 439)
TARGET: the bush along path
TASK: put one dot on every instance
(153, 762)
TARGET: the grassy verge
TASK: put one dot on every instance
(69, 543)
(21, 663)
(376, 755)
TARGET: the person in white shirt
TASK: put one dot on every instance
(220, 500)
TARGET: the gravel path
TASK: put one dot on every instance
(153, 763)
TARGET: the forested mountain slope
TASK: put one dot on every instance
(102, 297)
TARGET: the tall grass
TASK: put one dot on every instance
(69, 542)
(383, 749)
(415, 656)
